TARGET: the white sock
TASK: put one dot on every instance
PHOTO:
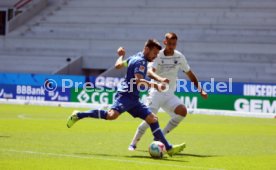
(139, 132)
(174, 121)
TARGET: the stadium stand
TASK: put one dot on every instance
(220, 38)
(7, 3)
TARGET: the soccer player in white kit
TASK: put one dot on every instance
(165, 69)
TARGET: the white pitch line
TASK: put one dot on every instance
(21, 116)
(24, 117)
(109, 159)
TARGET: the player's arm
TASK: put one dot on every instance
(194, 79)
(151, 74)
(120, 63)
(141, 81)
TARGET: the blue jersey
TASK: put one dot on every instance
(137, 64)
(127, 97)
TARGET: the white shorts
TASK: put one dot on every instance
(167, 101)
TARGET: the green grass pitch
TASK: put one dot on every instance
(36, 137)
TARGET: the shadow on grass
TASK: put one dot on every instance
(4, 136)
(187, 154)
(165, 158)
(197, 155)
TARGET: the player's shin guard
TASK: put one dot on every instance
(139, 133)
(174, 121)
(159, 135)
(97, 114)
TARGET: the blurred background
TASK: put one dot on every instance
(221, 39)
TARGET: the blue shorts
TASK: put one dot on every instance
(126, 102)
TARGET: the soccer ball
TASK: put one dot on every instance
(157, 149)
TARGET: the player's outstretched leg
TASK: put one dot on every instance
(138, 135)
(157, 133)
(76, 115)
(72, 119)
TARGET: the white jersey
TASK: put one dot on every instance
(169, 66)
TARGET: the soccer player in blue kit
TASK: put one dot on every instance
(127, 97)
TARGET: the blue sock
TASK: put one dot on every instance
(98, 114)
(157, 133)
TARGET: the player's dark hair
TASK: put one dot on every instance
(151, 43)
(171, 36)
